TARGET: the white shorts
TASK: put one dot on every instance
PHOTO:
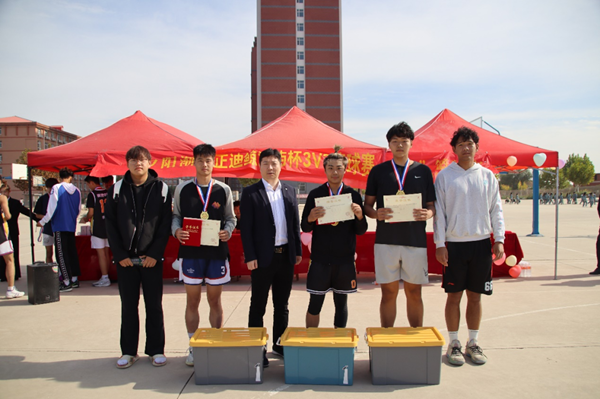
(47, 240)
(99, 243)
(399, 262)
(6, 248)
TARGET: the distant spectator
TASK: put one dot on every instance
(99, 240)
(63, 209)
(238, 215)
(597, 270)
(40, 209)
(6, 250)
(16, 208)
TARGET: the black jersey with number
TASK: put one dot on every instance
(382, 181)
(96, 200)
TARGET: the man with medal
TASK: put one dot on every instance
(400, 248)
(209, 200)
(332, 266)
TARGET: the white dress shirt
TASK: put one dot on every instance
(278, 208)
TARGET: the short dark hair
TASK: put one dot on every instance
(205, 150)
(138, 152)
(336, 156)
(465, 133)
(107, 179)
(51, 182)
(269, 152)
(236, 203)
(401, 130)
(92, 179)
(65, 173)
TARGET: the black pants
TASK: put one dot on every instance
(598, 250)
(150, 278)
(66, 254)
(279, 274)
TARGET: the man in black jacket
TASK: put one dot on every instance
(138, 219)
(16, 207)
(271, 240)
(333, 246)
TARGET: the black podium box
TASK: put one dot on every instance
(42, 283)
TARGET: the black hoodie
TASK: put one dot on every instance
(136, 228)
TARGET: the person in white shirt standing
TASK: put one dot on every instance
(468, 211)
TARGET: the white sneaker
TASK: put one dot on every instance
(454, 354)
(190, 358)
(102, 283)
(14, 294)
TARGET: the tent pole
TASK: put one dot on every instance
(30, 219)
(556, 227)
(536, 205)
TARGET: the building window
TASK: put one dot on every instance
(300, 12)
(301, 99)
(299, 1)
(39, 145)
(0, 129)
(300, 27)
(300, 41)
(45, 146)
(300, 55)
(1, 171)
(302, 188)
(0, 144)
(300, 70)
(301, 84)
(0, 157)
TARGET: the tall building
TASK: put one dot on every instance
(18, 134)
(297, 60)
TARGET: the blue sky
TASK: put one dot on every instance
(529, 68)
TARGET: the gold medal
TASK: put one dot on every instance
(204, 215)
(400, 192)
(335, 224)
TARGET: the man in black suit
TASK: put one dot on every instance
(16, 208)
(270, 232)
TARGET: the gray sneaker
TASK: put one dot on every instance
(454, 354)
(102, 283)
(475, 353)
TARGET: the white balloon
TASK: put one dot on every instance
(539, 159)
(511, 260)
(511, 161)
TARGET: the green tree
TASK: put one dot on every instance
(548, 178)
(23, 185)
(513, 179)
(248, 182)
(579, 170)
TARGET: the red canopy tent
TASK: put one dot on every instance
(432, 146)
(103, 153)
(303, 142)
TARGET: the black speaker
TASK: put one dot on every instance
(42, 283)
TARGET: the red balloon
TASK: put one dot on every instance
(501, 260)
(515, 271)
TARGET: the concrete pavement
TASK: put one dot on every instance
(542, 336)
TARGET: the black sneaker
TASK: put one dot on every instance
(597, 271)
(65, 288)
(75, 284)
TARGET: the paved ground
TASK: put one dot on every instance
(542, 335)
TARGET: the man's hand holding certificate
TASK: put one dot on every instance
(201, 232)
(402, 207)
(338, 208)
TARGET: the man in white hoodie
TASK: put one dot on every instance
(468, 211)
(63, 208)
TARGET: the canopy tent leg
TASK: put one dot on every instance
(556, 228)
(29, 179)
(536, 205)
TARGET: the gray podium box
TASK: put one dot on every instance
(405, 355)
(228, 355)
